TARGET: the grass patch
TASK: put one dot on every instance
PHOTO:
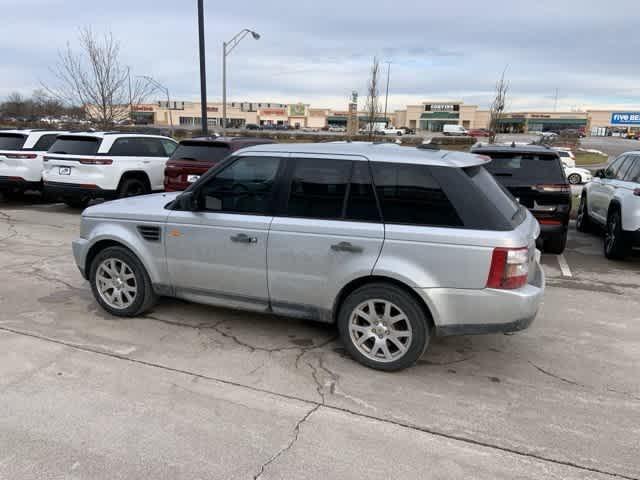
(589, 158)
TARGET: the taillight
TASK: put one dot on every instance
(548, 221)
(636, 192)
(553, 188)
(509, 268)
(95, 161)
(21, 156)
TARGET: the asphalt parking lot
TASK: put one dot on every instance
(190, 391)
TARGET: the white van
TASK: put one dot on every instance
(454, 130)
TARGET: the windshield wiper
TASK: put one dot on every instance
(503, 174)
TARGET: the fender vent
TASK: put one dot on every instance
(149, 232)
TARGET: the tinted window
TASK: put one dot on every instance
(318, 188)
(201, 152)
(245, 186)
(624, 167)
(613, 168)
(361, 201)
(169, 147)
(72, 145)
(496, 195)
(633, 173)
(45, 142)
(11, 141)
(525, 168)
(409, 194)
(138, 147)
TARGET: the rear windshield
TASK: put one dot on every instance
(498, 196)
(564, 154)
(201, 152)
(12, 141)
(74, 145)
(525, 168)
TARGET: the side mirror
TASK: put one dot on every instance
(188, 201)
(599, 173)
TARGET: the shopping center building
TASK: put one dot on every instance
(428, 116)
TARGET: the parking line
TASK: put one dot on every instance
(564, 266)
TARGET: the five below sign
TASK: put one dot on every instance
(625, 118)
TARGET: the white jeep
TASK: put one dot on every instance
(81, 166)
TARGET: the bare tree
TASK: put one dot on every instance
(498, 105)
(372, 104)
(95, 79)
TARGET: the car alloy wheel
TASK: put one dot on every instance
(610, 233)
(116, 283)
(574, 179)
(380, 330)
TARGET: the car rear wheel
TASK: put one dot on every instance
(583, 220)
(555, 244)
(383, 327)
(120, 283)
(575, 179)
(616, 244)
(132, 187)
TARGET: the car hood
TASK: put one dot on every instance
(146, 207)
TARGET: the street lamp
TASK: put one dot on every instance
(161, 87)
(227, 48)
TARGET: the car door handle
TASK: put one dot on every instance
(346, 247)
(243, 238)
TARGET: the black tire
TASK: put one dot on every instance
(584, 223)
(616, 242)
(555, 244)
(144, 299)
(132, 187)
(575, 179)
(416, 319)
(79, 203)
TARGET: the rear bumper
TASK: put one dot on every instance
(475, 312)
(18, 183)
(72, 190)
(551, 230)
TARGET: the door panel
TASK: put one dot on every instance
(309, 261)
(208, 258)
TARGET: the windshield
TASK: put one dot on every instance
(201, 152)
(12, 141)
(525, 168)
(74, 145)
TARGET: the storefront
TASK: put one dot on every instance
(437, 115)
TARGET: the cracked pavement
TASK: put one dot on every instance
(189, 391)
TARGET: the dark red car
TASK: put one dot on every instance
(478, 132)
(194, 157)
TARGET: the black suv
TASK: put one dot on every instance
(534, 175)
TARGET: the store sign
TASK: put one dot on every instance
(297, 110)
(212, 109)
(273, 111)
(625, 118)
(143, 108)
(540, 116)
(442, 107)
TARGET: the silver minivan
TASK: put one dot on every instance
(394, 244)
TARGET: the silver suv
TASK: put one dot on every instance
(393, 244)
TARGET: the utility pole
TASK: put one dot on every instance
(386, 97)
(203, 70)
(555, 103)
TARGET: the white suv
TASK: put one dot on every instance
(21, 153)
(81, 166)
(612, 200)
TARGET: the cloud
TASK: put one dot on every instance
(318, 52)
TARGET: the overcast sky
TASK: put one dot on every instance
(318, 51)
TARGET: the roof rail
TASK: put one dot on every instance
(428, 146)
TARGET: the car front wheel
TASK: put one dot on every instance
(120, 283)
(383, 327)
(575, 179)
(616, 245)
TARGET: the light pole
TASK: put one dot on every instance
(203, 70)
(161, 87)
(227, 48)
(386, 97)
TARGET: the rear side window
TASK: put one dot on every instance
(525, 168)
(12, 141)
(75, 145)
(410, 195)
(45, 142)
(318, 188)
(497, 196)
(201, 152)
